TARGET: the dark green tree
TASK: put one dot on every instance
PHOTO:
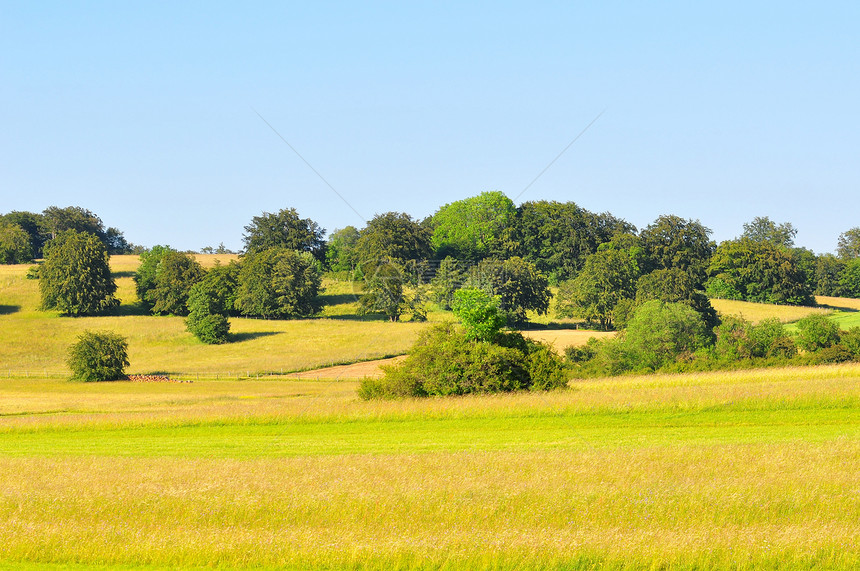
(763, 229)
(393, 237)
(608, 277)
(472, 228)
(849, 278)
(98, 356)
(557, 237)
(14, 244)
(175, 275)
(385, 289)
(75, 278)
(34, 225)
(284, 229)
(450, 276)
(672, 242)
(519, 285)
(58, 220)
(758, 271)
(828, 269)
(848, 245)
(279, 283)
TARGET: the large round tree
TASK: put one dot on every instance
(75, 278)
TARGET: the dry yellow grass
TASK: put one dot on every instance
(559, 339)
(756, 312)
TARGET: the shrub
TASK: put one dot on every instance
(546, 369)
(816, 332)
(98, 356)
(480, 313)
(211, 328)
(837, 353)
(660, 332)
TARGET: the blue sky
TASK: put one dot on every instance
(146, 112)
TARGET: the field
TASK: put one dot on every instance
(740, 470)
(756, 470)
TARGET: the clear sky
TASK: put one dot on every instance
(146, 112)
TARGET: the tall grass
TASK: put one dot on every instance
(742, 470)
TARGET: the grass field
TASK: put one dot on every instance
(753, 470)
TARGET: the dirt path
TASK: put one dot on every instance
(348, 372)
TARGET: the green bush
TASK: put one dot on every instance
(546, 369)
(211, 328)
(815, 332)
(98, 356)
(660, 332)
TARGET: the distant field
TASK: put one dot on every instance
(756, 312)
(743, 470)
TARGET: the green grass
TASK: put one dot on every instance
(742, 470)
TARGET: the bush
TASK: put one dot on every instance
(98, 356)
(546, 369)
(816, 332)
(660, 332)
(211, 328)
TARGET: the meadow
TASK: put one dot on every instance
(724, 470)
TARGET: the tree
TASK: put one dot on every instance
(758, 271)
(519, 285)
(815, 332)
(608, 277)
(116, 242)
(75, 278)
(557, 237)
(737, 338)
(98, 356)
(849, 278)
(279, 283)
(763, 229)
(672, 242)
(284, 230)
(14, 244)
(144, 278)
(449, 277)
(675, 286)
(472, 228)
(72, 218)
(848, 245)
(828, 269)
(479, 313)
(393, 236)
(660, 332)
(34, 225)
(210, 301)
(175, 275)
(384, 289)
(340, 255)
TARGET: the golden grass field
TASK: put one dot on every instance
(741, 470)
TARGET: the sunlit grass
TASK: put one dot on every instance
(756, 312)
(741, 470)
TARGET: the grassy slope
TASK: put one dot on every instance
(753, 470)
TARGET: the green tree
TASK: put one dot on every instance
(284, 229)
(759, 271)
(763, 229)
(279, 283)
(672, 242)
(479, 313)
(384, 289)
(472, 228)
(848, 245)
(828, 269)
(519, 285)
(144, 277)
(175, 275)
(210, 301)
(14, 244)
(98, 356)
(608, 277)
(737, 338)
(340, 254)
(449, 277)
(34, 225)
(676, 286)
(557, 237)
(849, 278)
(58, 220)
(659, 333)
(75, 278)
(816, 332)
(394, 237)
